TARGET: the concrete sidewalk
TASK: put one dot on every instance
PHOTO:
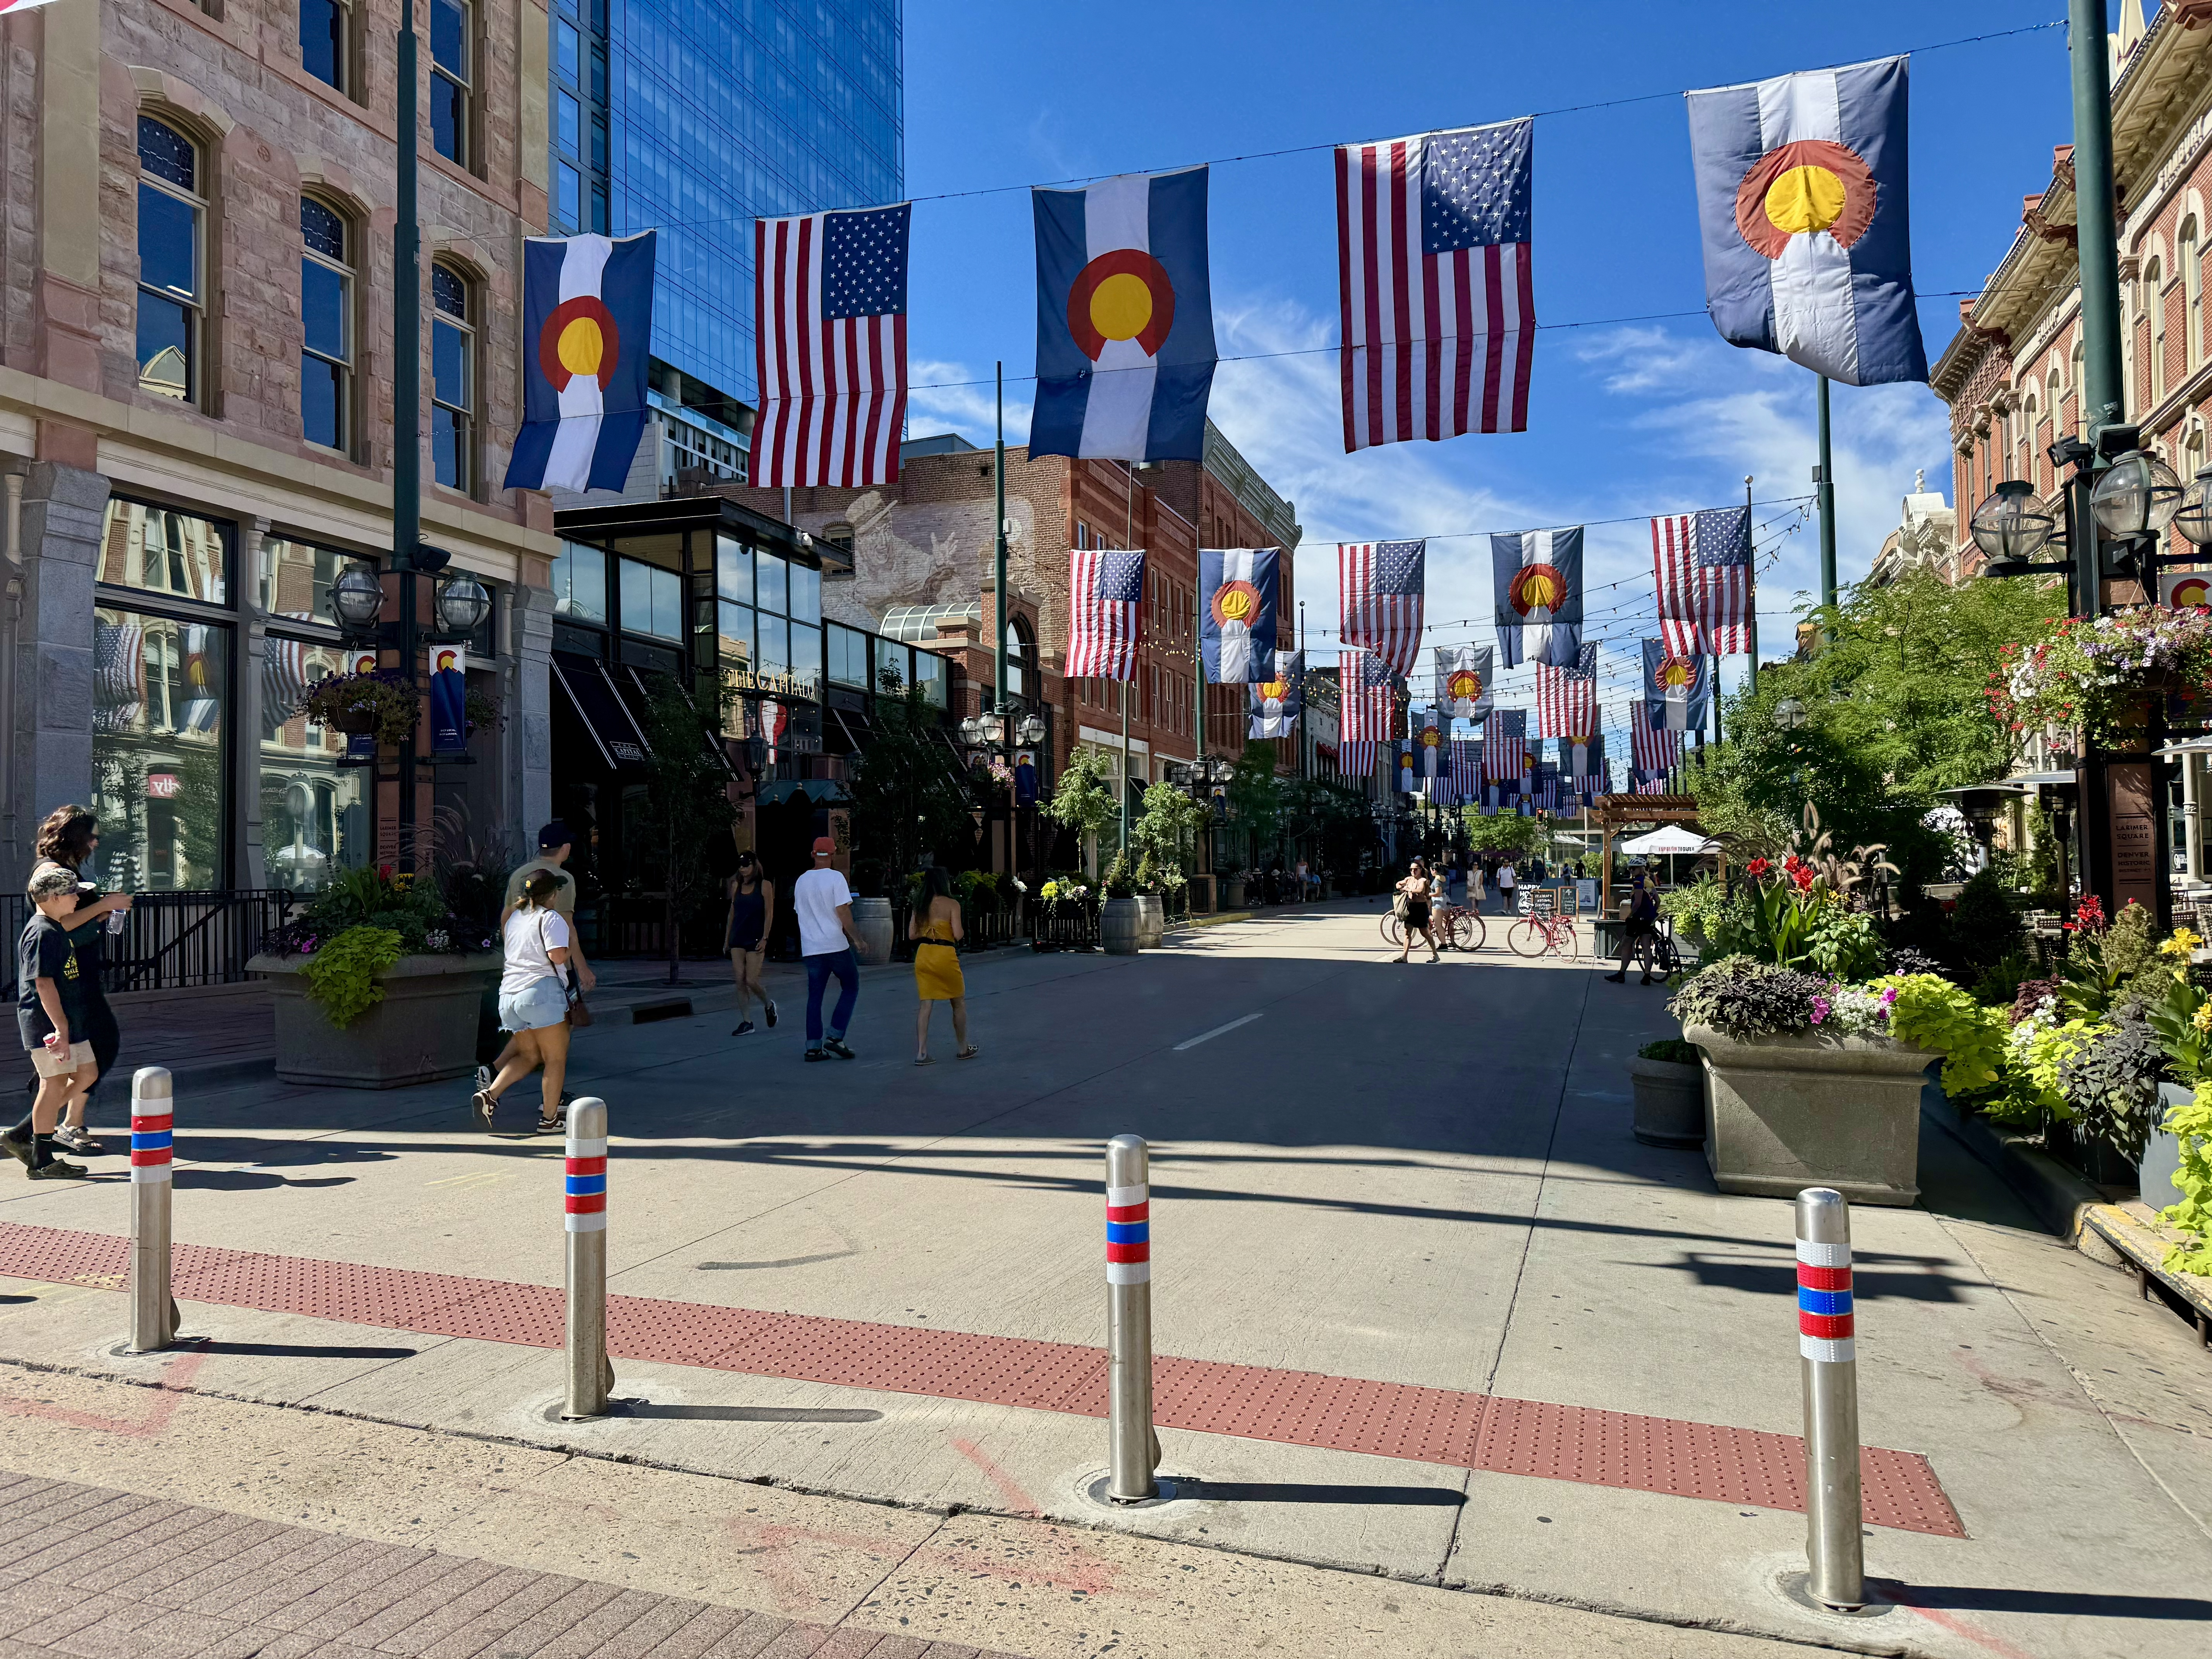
(1418, 1175)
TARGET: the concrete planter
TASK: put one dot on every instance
(2161, 1156)
(1152, 920)
(1121, 928)
(1785, 1113)
(1670, 1102)
(872, 921)
(425, 1028)
(1232, 893)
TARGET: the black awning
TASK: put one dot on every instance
(855, 725)
(622, 746)
(637, 700)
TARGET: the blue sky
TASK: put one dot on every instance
(1626, 418)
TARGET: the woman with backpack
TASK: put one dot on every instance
(533, 999)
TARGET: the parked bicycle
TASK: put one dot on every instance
(1457, 927)
(1541, 931)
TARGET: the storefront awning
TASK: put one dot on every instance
(854, 725)
(636, 699)
(621, 745)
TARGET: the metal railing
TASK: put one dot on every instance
(173, 941)
(1068, 926)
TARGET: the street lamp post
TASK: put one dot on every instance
(407, 405)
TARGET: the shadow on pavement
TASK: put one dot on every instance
(294, 1350)
(1983, 1599)
(741, 1413)
(1292, 1491)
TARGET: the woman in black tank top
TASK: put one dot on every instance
(753, 912)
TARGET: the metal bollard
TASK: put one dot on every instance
(1834, 1550)
(591, 1374)
(153, 1312)
(1133, 1452)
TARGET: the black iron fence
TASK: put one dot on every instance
(173, 941)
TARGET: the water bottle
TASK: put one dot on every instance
(115, 921)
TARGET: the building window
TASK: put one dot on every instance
(2155, 302)
(323, 36)
(580, 583)
(314, 812)
(160, 550)
(161, 695)
(848, 656)
(453, 379)
(172, 300)
(326, 301)
(293, 579)
(451, 76)
(652, 600)
(2187, 256)
(2080, 391)
(1018, 650)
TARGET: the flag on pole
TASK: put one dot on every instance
(1238, 588)
(1466, 768)
(1505, 746)
(1678, 690)
(1653, 750)
(1463, 675)
(1566, 698)
(449, 683)
(1368, 696)
(1428, 744)
(1439, 311)
(1702, 562)
(586, 331)
(1355, 757)
(1801, 200)
(1106, 599)
(1278, 701)
(1380, 588)
(1405, 773)
(829, 347)
(1125, 319)
(1539, 595)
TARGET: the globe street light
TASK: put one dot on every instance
(2194, 520)
(358, 598)
(1789, 713)
(461, 604)
(2137, 496)
(2012, 527)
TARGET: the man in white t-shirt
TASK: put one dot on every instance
(823, 904)
(1505, 884)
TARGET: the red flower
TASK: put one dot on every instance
(1757, 867)
(1804, 879)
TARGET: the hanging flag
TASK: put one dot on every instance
(1505, 746)
(1125, 319)
(1428, 744)
(1279, 700)
(1653, 750)
(1463, 674)
(1439, 310)
(1405, 771)
(1355, 757)
(587, 332)
(10, 6)
(1238, 588)
(1466, 768)
(449, 683)
(1702, 564)
(1566, 698)
(1678, 690)
(1802, 202)
(1380, 590)
(1539, 595)
(1106, 602)
(1370, 697)
(1025, 779)
(829, 347)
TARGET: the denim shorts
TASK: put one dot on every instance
(540, 1003)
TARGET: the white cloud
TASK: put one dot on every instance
(955, 397)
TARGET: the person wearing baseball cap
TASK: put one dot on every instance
(829, 943)
(554, 842)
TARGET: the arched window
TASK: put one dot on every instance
(2154, 303)
(326, 311)
(2054, 401)
(2073, 379)
(171, 262)
(2030, 445)
(453, 379)
(2188, 256)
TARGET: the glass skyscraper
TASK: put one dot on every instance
(696, 117)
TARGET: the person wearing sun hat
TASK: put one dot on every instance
(829, 943)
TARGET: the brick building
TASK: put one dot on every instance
(196, 369)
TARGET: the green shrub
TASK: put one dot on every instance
(2193, 1216)
(342, 974)
(1742, 998)
(1936, 1014)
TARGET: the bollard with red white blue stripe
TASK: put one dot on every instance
(583, 1206)
(153, 1147)
(1827, 1355)
(1133, 1450)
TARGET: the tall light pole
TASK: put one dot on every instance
(1824, 484)
(2096, 240)
(407, 407)
(1751, 588)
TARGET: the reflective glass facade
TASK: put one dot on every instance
(723, 111)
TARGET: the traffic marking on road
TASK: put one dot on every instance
(1745, 1467)
(1209, 1037)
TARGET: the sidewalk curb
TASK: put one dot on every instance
(2057, 1198)
(2143, 1252)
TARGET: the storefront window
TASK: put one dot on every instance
(293, 579)
(733, 642)
(160, 696)
(733, 569)
(164, 551)
(580, 583)
(848, 656)
(652, 600)
(768, 570)
(929, 675)
(314, 819)
(806, 593)
(774, 644)
(806, 658)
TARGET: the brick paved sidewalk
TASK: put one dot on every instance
(101, 1574)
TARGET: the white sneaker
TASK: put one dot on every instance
(482, 1077)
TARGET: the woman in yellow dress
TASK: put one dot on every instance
(936, 931)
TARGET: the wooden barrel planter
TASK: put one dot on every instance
(872, 921)
(1152, 914)
(1121, 928)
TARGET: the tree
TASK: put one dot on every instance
(1505, 833)
(907, 799)
(1337, 816)
(687, 808)
(1166, 834)
(1081, 803)
(1255, 794)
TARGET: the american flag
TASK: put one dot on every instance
(1370, 697)
(1355, 757)
(1106, 603)
(1439, 315)
(284, 682)
(1466, 768)
(119, 675)
(1651, 749)
(1645, 786)
(1566, 698)
(829, 337)
(1702, 562)
(1379, 593)
(1505, 745)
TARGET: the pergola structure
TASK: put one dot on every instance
(1614, 812)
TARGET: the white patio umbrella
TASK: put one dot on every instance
(1670, 840)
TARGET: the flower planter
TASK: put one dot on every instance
(872, 921)
(1232, 893)
(425, 1028)
(1121, 928)
(1670, 1102)
(1152, 920)
(2161, 1155)
(1786, 1112)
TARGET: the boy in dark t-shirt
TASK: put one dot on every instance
(51, 983)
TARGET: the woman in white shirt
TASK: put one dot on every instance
(533, 999)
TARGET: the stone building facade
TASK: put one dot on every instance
(196, 376)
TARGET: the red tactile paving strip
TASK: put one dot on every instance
(1300, 1409)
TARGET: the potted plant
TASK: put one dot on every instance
(374, 704)
(1121, 925)
(376, 984)
(1669, 1084)
(1232, 890)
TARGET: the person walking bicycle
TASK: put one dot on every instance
(752, 913)
(936, 931)
(830, 946)
(1416, 894)
(1641, 929)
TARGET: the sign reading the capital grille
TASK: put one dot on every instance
(742, 679)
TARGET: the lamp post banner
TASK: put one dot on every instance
(449, 680)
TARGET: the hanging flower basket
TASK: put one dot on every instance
(360, 704)
(2097, 674)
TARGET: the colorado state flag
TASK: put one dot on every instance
(587, 329)
(1125, 319)
(1678, 690)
